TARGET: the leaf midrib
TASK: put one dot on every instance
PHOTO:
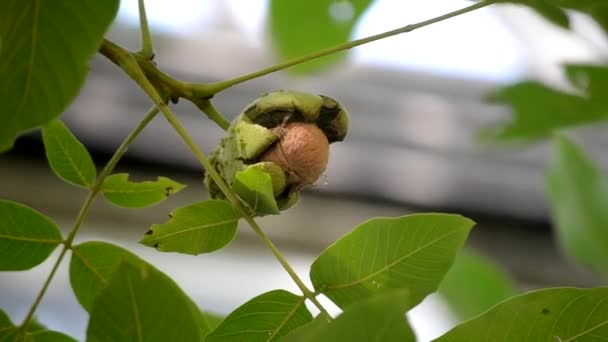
(211, 225)
(68, 155)
(29, 239)
(390, 265)
(31, 62)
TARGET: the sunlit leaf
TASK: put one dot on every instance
(474, 284)
(26, 236)
(44, 50)
(560, 314)
(301, 27)
(142, 304)
(68, 158)
(578, 193)
(254, 186)
(194, 229)
(94, 263)
(122, 192)
(266, 317)
(411, 252)
(377, 318)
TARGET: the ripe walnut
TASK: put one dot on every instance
(284, 134)
(302, 151)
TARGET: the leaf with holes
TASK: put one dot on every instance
(45, 48)
(141, 303)
(92, 266)
(194, 229)
(68, 158)
(120, 191)
(559, 314)
(578, 193)
(411, 252)
(302, 27)
(255, 188)
(27, 237)
(470, 298)
(377, 318)
(266, 317)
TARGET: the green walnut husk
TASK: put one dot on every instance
(263, 185)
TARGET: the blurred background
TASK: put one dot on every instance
(416, 104)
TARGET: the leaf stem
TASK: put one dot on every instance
(93, 191)
(147, 50)
(219, 86)
(213, 114)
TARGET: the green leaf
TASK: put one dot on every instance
(48, 336)
(26, 236)
(377, 318)
(302, 27)
(578, 193)
(255, 188)
(7, 329)
(411, 252)
(140, 303)
(91, 269)
(539, 111)
(120, 191)
(68, 158)
(474, 284)
(194, 229)
(551, 12)
(263, 318)
(45, 48)
(8, 332)
(308, 330)
(591, 79)
(559, 314)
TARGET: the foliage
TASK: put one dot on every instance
(375, 274)
(470, 298)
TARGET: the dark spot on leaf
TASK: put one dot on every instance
(170, 216)
(149, 232)
(168, 191)
(545, 311)
(156, 245)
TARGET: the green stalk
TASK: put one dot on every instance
(215, 88)
(84, 210)
(147, 50)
